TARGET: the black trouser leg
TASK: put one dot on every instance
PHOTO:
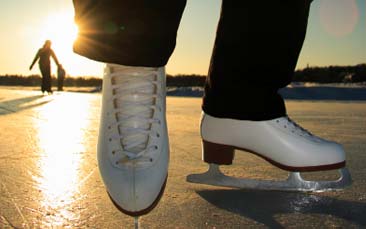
(59, 84)
(128, 32)
(255, 53)
(46, 78)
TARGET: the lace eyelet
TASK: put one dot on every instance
(124, 98)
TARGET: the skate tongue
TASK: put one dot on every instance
(136, 98)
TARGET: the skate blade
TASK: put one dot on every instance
(294, 182)
(136, 222)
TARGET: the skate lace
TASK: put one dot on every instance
(134, 100)
(294, 127)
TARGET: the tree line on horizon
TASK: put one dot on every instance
(330, 74)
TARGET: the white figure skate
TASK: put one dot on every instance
(133, 148)
(279, 141)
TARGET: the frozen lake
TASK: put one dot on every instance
(49, 176)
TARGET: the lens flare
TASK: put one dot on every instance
(61, 30)
(338, 17)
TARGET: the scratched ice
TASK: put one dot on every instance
(49, 176)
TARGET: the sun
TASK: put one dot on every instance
(61, 30)
(59, 27)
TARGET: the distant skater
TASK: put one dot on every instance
(60, 77)
(44, 55)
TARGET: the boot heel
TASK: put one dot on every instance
(217, 153)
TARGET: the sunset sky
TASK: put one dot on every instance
(336, 36)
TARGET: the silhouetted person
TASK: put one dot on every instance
(44, 55)
(60, 77)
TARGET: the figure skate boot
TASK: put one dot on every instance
(133, 148)
(281, 142)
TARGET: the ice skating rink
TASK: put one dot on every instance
(49, 176)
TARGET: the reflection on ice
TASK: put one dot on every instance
(60, 139)
(49, 181)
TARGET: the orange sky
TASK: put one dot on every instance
(336, 36)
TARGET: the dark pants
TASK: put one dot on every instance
(46, 78)
(60, 83)
(256, 48)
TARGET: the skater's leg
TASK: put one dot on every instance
(49, 84)
(255, 54)
(43, 84)
(136, 38)
(58, 84)
(46, 77)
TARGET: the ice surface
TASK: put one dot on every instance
(49, 175)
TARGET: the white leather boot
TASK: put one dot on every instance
(133, 148)
(280, 141)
